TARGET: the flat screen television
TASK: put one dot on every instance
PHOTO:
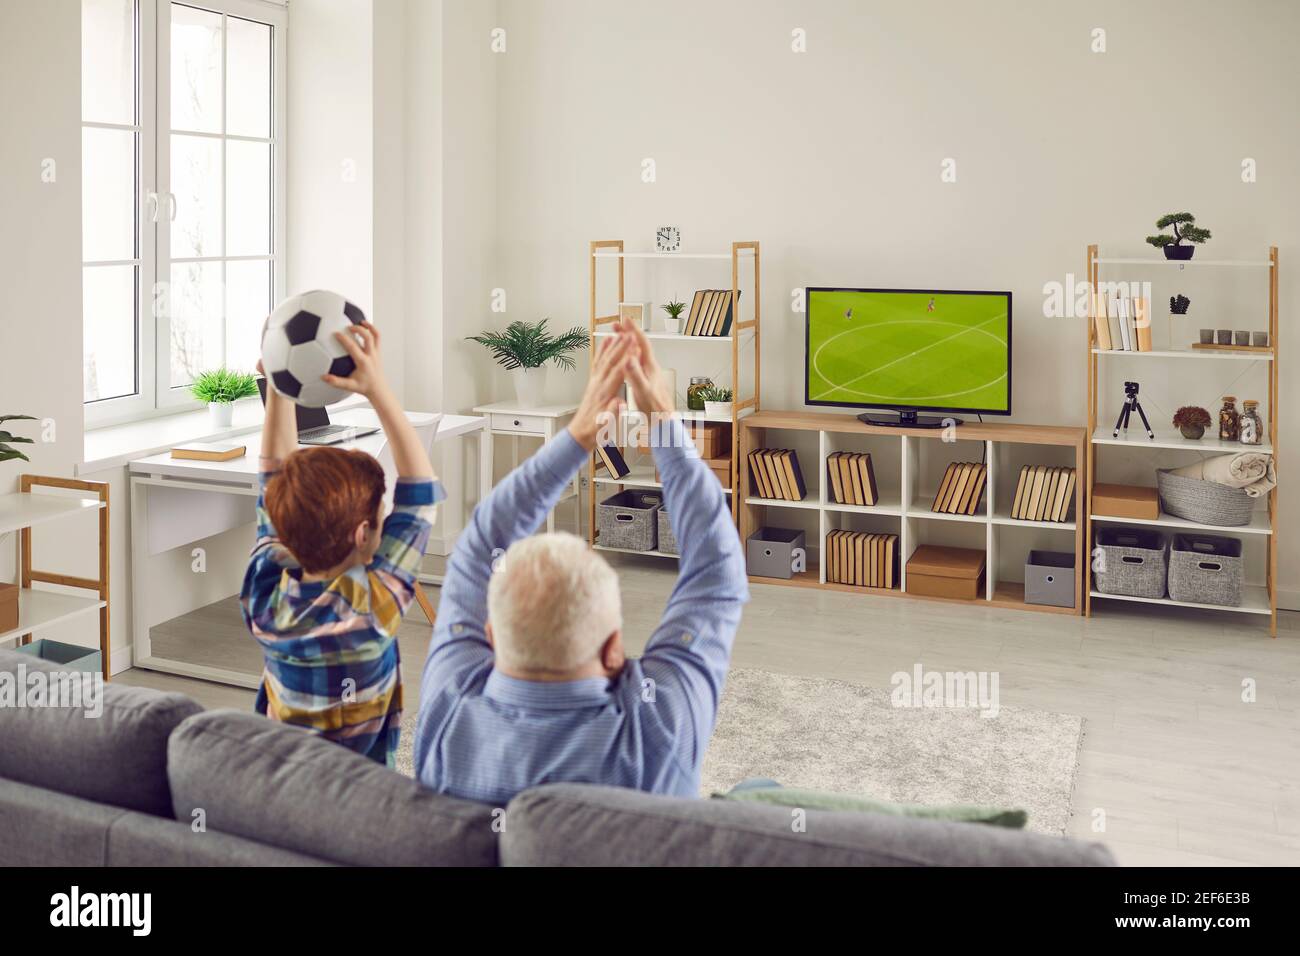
(908, 351)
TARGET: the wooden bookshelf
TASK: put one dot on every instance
(1257, 600)
(745, 337)
(905, 498)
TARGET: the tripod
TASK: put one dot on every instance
(1131, 403)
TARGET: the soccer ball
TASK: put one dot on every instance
(298, 346)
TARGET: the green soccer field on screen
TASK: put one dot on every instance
(919, 349)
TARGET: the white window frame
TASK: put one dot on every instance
(155, 396)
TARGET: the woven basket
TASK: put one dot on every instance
(1205, 502)
(629, 520)
(1205, 569)
(1134, 561)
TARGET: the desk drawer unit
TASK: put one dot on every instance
(524, 424)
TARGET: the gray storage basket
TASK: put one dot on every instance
(1206, 569)
(1205, 502)
(667, 541)
(629, 520)
(1133, 562)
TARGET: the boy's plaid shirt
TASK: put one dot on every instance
(330, 647)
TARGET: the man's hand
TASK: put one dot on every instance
(643, 373)
(362, 343)
(601, 399)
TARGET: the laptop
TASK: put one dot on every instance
(314, 426)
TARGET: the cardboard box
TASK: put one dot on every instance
(1126, 501)
(713, 439)
(721, 468)
(8, 607)
(935, 571)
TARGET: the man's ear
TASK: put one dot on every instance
(612, 657)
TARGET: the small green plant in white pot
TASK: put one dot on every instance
(673, 324)
(525, 348)
(717, 401)
(219, 389)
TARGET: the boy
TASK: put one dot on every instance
(326, 585)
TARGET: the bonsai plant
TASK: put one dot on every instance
(524, 348)
(674, 309)
(8, 453)
(717, 401)
(1192, 421)
(1184, 231)
(1178, 304)
(219, 389)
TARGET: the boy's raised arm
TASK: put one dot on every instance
(279, 428)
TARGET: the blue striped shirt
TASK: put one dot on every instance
(485, 736)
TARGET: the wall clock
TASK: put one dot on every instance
(668, 239)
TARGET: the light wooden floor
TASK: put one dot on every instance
(1184, 770)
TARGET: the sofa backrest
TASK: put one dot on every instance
(583, 825)
(117, 758)
(286, 787)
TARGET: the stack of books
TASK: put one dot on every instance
(853, 482)
(776, 474)
(1044, 493)
(861, 558)
(1123, 324)
(961, 489)
(710, 313)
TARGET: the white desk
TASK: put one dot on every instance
(542, 421)
(176, 502)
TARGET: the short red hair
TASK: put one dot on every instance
(317, 500)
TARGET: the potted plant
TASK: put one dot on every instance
(1184, 231)
(524, 348)
(717, 401)
(1192, 421)
(8, 453)
(219, 389)
(1178, 304)
(673, 323)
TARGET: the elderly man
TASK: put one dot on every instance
(526, 680)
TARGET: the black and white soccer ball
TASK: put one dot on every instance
(298, 346)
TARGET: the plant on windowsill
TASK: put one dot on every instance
(219, 389)
(525, 348)
(1184, 231)
(8, 453)
(673, 323)
(1192, 421)
(717, 401)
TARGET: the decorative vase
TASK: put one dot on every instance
(1192, 432)
(530, 384)
(717, 410)
(1178, 252)
(221, 414)
(672, 326)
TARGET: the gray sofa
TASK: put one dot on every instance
(158, 781)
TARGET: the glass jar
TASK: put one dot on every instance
(1229, 421)
(1250, 425)
(694, 394)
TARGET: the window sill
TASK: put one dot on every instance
(115, 445)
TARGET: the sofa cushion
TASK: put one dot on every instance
(287, 787)
(40, 827)
(118, 758)
(583, 825)
(135, 839)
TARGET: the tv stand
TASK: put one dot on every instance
(907, 419)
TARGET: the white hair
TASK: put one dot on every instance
(552, 602)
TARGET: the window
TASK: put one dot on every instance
(183, 204)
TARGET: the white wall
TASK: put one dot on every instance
(832, 159)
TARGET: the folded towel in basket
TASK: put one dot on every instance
(1252, 471)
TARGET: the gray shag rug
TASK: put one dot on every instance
(843, 738)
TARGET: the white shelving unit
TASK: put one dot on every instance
(1256, 599)
(905, 508)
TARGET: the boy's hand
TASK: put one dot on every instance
(601, 399)
(362, 343)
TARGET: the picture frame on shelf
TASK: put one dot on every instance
(639, 312)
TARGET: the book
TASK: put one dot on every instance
(697, 314)
(976, 491)
(1102, 324)
(776, 474)
(793, 475)
(832, 569)
(1020, 492)
(958, 488)
(1142, 322)
(1125, 327)
(945, 487)
(1049, 493)
(846, 479)
(693, 316)
(612, 458)
(1065, 496)
(1112, 319)
(1035, 492)
(833, 475)
(891, 548)
(869, 492)
(855, 481)
(724, 324)
(209, 451)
